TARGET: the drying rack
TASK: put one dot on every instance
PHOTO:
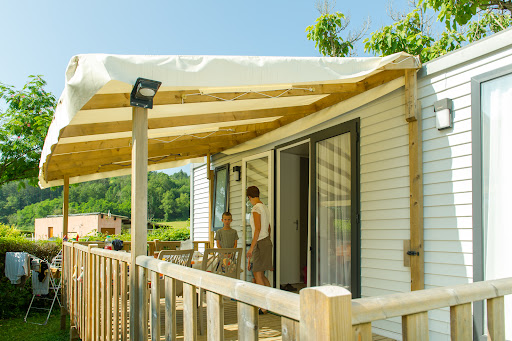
(54, 273)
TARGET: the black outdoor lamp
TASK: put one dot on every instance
(238, 169)
(143, 92)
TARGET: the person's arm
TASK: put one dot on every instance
(257, 229)
(218, 244)
(236, 241)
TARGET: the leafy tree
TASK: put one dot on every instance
(412, 32)
(23, 128)
(326, 32)
(461, 12)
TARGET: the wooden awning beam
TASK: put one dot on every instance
(120, 100)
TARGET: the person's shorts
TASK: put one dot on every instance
(262, 255)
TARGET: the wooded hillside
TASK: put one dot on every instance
(168, 199)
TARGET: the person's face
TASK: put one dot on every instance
(252, 200)
(226, 220)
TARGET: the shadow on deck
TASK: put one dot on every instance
(269, 324)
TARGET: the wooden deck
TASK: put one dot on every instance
(269, 324)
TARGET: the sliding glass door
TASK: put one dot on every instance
(335, 201)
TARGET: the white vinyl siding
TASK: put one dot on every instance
(384, 180)
(200, 215)
(447, 168)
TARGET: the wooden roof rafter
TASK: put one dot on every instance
(191, 122)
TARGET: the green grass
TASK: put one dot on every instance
(16, 329)
(178, 224)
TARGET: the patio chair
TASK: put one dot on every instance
(224, 262)
(181, 257)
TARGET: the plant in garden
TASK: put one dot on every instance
(23, 128)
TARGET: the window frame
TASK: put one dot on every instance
(477, 194)
(214, 199)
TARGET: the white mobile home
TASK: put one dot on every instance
(341, 186)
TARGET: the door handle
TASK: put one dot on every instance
(296, 222)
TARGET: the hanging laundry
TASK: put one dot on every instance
(40, 287)
(16, 266)
(42, 271)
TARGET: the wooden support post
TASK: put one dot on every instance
(65, 214)
(139, 213)
(413, 116)
(325, 313)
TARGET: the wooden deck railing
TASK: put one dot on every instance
(320, 313)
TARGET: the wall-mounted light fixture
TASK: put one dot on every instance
(443, 109)
(143, 92)
(239, 170)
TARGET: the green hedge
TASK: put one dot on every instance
(162, 234)
(14, 300)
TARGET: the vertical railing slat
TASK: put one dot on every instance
(143, 304)
(108, 294)
(496, 318)
(103, 299)
(362, 332)
(170, 309)
(115, 298)
(247, 322)
(461, 322)
(124, 301)
(215, 316)
(189, 312)
(415, 327)
(155, 306)
(97, 291)
(290, 329)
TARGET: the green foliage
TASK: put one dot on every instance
(162, 233)
(412, 34)
(405, 35)
(14, 301)
(326, 35)
(169, 234)
(23, 129)
(488, 23)
(460, 12)
(168, 199)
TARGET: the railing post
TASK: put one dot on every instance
(90, 294)
(415, 326)
(496, 318)
(325, 313)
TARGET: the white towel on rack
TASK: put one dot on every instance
(16, 266)
(40, 288)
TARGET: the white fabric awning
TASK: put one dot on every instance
(206, 104)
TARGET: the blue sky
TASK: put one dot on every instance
(40, 37)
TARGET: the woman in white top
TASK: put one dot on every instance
(261, 245)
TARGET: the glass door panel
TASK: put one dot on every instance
(257, 172)
(333, 211)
